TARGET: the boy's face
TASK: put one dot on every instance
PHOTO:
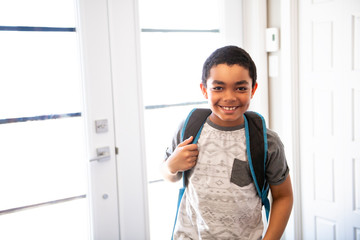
(229, 91)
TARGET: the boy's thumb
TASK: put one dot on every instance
(186, 141)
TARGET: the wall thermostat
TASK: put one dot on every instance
(272, 39)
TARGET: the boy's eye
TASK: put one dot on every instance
(217, 88)
(242, 89)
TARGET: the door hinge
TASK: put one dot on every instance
(116, 150)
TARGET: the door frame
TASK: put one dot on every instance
(289, 73)
(109, 44)
(129, 118)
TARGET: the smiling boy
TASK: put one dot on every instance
(229, 91)
(213, 206)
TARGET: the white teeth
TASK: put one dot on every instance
(229, 108)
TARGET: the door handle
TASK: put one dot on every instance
(103, 154)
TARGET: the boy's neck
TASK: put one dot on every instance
(223, 128)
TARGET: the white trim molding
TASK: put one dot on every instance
(129, 120)
(290, 98)
(254, 26)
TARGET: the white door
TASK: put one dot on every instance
(109, 38)
(329, 78)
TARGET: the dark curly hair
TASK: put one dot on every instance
(229, 55)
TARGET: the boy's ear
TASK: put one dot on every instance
(204, 90)
(253, 90)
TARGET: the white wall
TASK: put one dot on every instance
(254, 25)
(283, 98)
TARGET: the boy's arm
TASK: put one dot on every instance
(183, 158)
(168, 175)
(280, 210)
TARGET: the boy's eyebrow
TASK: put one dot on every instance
(218, 82)
(241, 82)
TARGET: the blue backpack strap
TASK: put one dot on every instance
(192, 127)
(256, 147)
(194, 123)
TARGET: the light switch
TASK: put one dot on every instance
(273, 66)
(101, 126)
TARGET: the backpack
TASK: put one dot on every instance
(256, 149)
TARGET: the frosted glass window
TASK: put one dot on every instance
(43, 172)
(44, 13)
(179, 14)
(172, 65)
(173, 50)
(67, 220)
(40, 73)
(41, 161)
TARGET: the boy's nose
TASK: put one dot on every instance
(229, 96)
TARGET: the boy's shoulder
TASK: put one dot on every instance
(194, 122)
(273, 138)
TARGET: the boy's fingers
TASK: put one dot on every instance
(193, 153)
(191, 147)
(186, 142)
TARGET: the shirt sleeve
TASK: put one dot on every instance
(175, 141)
(276, 166)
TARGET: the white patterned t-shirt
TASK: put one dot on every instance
(215, 204)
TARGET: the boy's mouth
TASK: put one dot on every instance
(227, 108)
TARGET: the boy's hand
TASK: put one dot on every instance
(184, 157)
(282, 196)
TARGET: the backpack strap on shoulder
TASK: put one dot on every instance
(192, 127)
(256, 147)
(194, 123)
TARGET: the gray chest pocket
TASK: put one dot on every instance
(240, 173)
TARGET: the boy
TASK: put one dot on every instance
(213, 207)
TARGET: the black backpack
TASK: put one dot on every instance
(256, 148)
